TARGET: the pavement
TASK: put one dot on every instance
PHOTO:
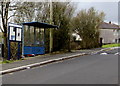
(44, 59)
(89, 69)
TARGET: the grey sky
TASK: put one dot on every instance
(109, 8)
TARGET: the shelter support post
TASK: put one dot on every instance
(51, 40)
(22, 40)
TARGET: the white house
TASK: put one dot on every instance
(109, 33)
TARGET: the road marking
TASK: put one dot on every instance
(117, 53)
(28, 67)
(104, 53)
(11, 73)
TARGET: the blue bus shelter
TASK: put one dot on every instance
(33, 37)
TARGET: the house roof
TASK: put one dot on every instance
(105, 25)
(40, 25)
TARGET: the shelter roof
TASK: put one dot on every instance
(40, 25)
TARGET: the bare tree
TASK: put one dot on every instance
(6, 12)
(29, 11)
(4, 16)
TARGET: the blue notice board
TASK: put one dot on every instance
(33, 50)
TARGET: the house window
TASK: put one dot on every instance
(119, 40)
(115, 40)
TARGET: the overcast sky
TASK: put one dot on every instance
(109, 8)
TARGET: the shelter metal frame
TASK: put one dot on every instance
(39, 25)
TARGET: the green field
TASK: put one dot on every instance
(111, 45)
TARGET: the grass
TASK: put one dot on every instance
(111, 45)
(9, 61)
(5, 61)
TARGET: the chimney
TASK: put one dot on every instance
(109, 22)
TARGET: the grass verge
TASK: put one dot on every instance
(9, 61)
(111, 45)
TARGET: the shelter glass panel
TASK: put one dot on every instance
(33, 36)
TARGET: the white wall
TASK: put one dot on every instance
(109, 35)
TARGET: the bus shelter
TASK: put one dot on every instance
(34, 37)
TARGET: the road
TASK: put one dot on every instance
(90, 69)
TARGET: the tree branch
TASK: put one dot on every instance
(2, 7)
(1, 29)
(11, 16)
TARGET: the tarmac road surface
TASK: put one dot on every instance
(91, 69)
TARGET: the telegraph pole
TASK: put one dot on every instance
(51, 20)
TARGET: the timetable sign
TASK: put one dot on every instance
(15, 32)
